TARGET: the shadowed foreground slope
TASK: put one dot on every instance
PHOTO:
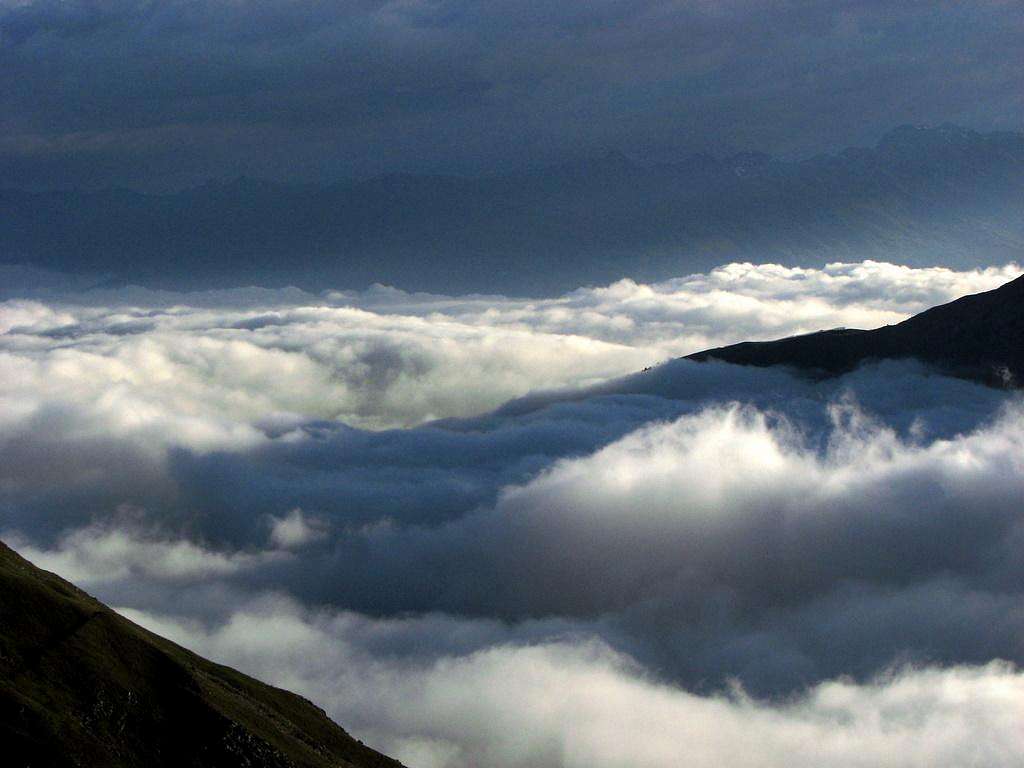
(979, 337)
(82, 686)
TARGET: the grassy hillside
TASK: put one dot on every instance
(82, 686)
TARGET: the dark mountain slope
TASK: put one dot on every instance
(979, 337)
(82, 686)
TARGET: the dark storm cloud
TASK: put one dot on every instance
(307, 90)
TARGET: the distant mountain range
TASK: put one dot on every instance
(942, 195)
(81, 685)
(979, 337)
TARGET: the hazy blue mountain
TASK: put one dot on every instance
(943, 195)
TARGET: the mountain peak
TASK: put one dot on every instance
(979, 337)
(907, 136)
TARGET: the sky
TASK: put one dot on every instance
(160, 95)
(477, 532)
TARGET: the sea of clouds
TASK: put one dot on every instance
(478, 533)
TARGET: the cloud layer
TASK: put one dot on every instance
(200, 369)
(583, 575)
(576, 702)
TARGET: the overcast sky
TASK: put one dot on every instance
(163, 94)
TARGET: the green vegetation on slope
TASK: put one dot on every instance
(81, 685)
